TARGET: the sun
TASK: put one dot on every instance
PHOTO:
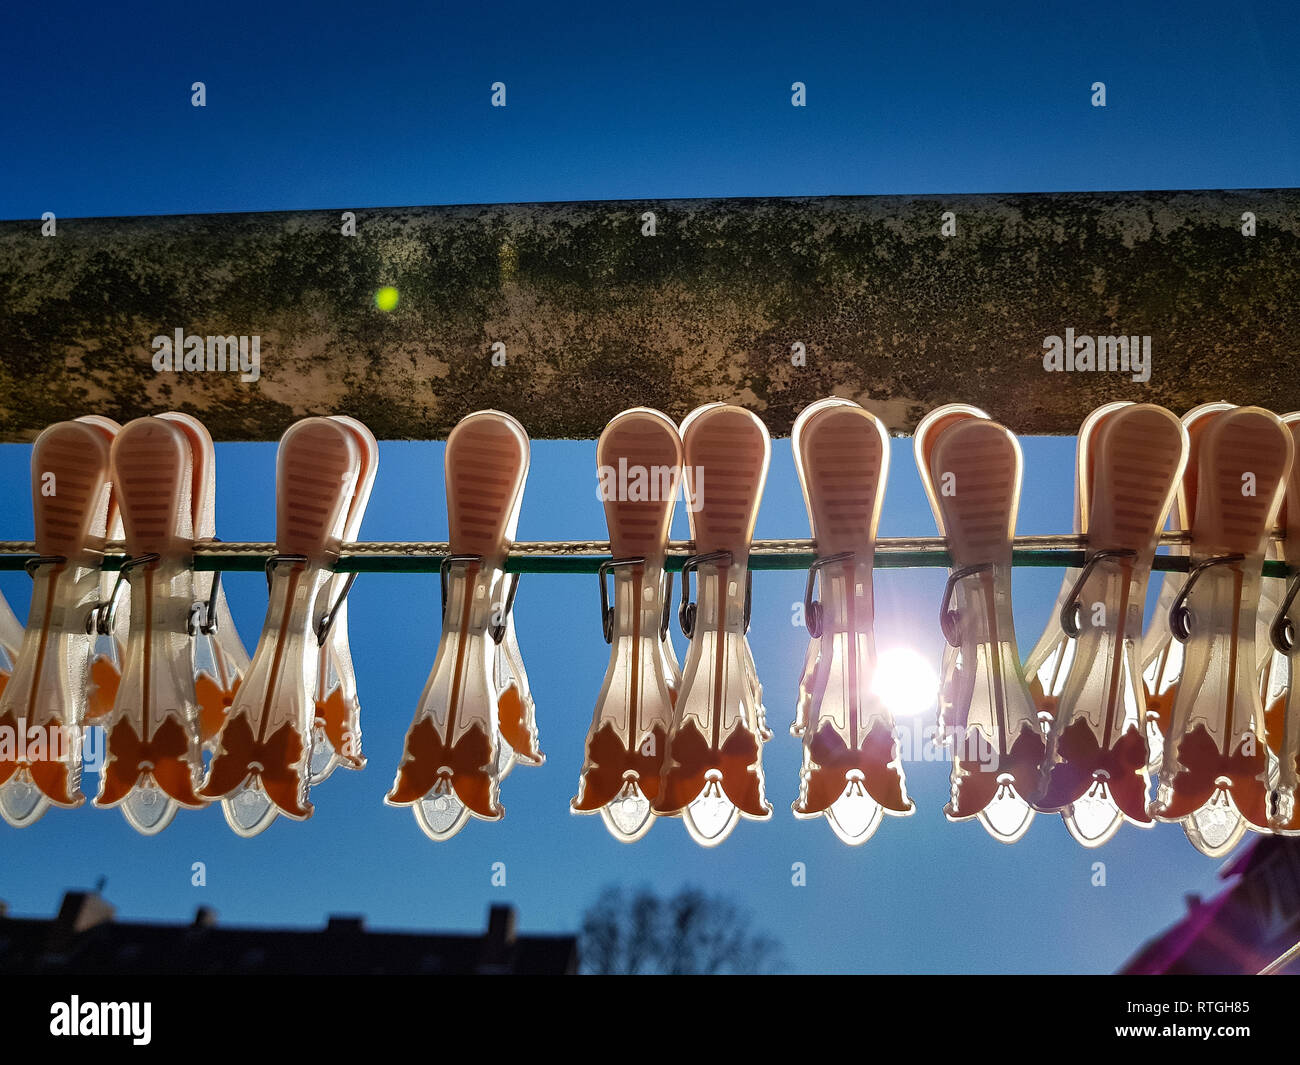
(905, 681)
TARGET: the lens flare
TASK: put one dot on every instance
(905, 681)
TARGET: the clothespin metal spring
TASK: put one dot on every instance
(1179, 615)
(607, 611)
(326, 621)
(203, 616)
(498, 628)
(1281, 633)
(101, 617)
(812, 609)
(947, 616)
(1072, 609)
(687, 611)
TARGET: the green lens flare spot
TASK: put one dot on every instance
(386, 298)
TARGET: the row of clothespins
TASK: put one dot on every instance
(1202, 699)
(151, 652)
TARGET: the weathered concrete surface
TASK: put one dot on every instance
(597, 317)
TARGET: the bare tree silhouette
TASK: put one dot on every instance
(628, 933)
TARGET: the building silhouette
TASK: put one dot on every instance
(85, 938)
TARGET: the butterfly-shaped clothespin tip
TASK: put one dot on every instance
(44, 702)
(713, 771)
(1160, 655)
(1048, 663)
(639, 466)
(852, 773)
(110, 637)
(971, 469)
(220, 659)
(261, 768)
(153, 731)
(1214, 773)
(1131, 460)
(336, 730)
(451, 766)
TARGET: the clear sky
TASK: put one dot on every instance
(329, 105)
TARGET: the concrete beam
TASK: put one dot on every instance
(596, 317)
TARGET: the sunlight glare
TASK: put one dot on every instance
(905, 681)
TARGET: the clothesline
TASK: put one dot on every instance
(585, 556)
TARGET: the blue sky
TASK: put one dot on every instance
(333, 106)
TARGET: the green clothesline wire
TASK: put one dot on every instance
(573, 556)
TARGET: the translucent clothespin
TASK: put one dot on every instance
(183, 659)
(11, 639)
(1214, 773)
(261, 766)
(629, 730)
(154, 743)
(813, 655)
(713, 772)
(971, 469)
(1274, 665)
(1281, 695)
(517, 742)
(220, 659)
(1048, 663)
(1161, 655)
(44, 702)
(110, 644)
(1131, 461)
(336, 729)
(451, 765)
(852, 773)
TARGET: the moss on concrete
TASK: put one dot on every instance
(596, 317)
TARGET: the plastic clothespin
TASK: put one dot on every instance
(1048, 663)
(220, 659)
(971, 469)
(953, 701)
(183, 659)
(153, 731)
(261, 766)
(1161, 656)
(11, 639)
(1214, 773)
(1280, 693)
(336, 731)
(1131, 461)
(1275, 668)
(517, 742)
(44, 702)
(110, 639)
(852, 774)
(813, 654)
(634, 712)
(713, 771)
(451, 768)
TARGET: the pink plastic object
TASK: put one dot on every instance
(336, 727)
(1214, 774)
(1097, 751)
(971, 469)
(451, 768)
(713, 772)
(639, 462)
(261, 769)
(852, 774)
(44, 702)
